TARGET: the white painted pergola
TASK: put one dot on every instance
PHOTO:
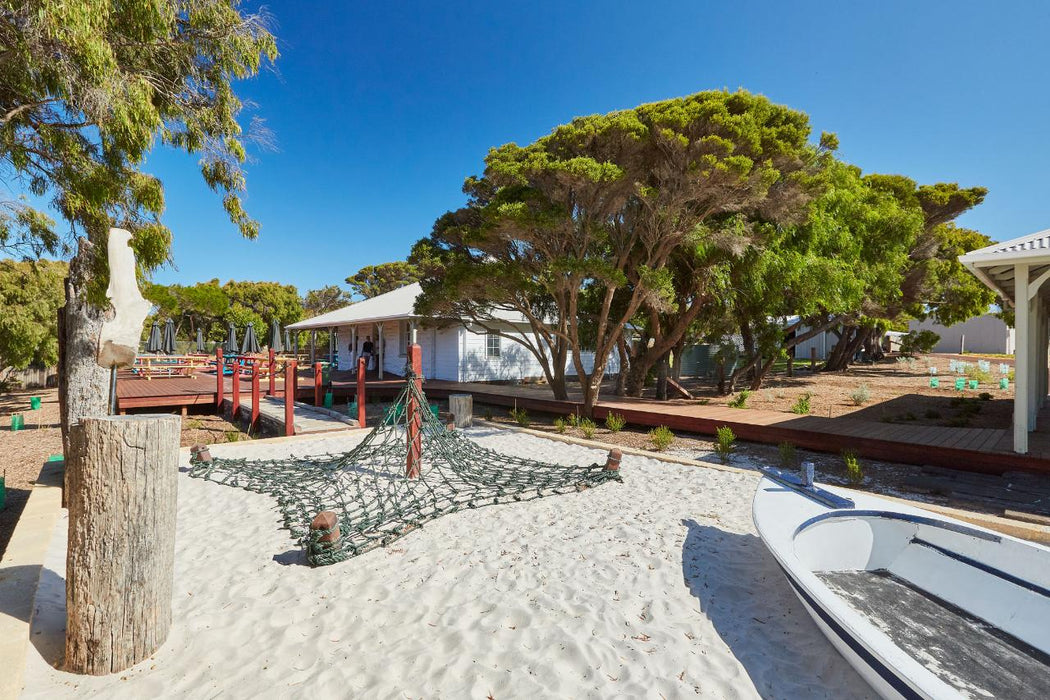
(1018, 269)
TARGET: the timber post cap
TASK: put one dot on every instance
(328, 522)
(612, 464)
(200, 453)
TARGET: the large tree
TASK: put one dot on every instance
(87, 88)
(597, 210)
(327, 298)
(30, 295)
(373, 280)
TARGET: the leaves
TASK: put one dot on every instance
(373, 280)
(30, 295)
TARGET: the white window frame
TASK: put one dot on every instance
(488, 345)
(404, 337)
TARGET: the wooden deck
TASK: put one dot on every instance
(985, 450)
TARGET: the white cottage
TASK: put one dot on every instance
(457, 352)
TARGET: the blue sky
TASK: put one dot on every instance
(380, 110)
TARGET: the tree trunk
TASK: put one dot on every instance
(661, 379)
(119, 570)
(625, 366)
(83, 386)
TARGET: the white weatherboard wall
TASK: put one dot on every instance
(514, 361)
(987, 334)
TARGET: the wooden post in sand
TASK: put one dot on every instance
(461, 406)
(289, 397)
(612, 463)
(121, 557)
(362, 367)
(413, 413)
(318, 384)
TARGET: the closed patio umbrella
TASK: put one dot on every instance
(167, 345)
(231, 339)
(250, 345)
(153, 342)
(200, 341)
(275, 337)
(287, 341)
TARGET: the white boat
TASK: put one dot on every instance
(921, 605)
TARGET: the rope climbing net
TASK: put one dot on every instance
(376, 494)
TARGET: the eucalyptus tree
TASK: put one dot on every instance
(373, 280)
(87, 88)
(599, 208)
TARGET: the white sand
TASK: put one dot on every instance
(654, 588)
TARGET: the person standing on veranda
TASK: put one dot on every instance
(367, 351)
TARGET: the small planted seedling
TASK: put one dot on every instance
(725, 443)
(559, 425)
(615, 422)
(861, 395)
(801, 406)
(788, 455)
(521, 417)
(587, 427)
(854, 471)
(661, 438)
(740, 400)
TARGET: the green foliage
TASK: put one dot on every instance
(373, 280)
(801, 405)
(661, 438)
(919, 342)
(788, 455)
(854, 470)
(89, 87)
(587, 427)
(521, 417)
(233, 435)
(327, 298)
(861, 395)
(615, 422)
(559, 425)
(574, 419)
(725, 443)
(982, 376)
(30, 296)
(740, 400)
(487, 414)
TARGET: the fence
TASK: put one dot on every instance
(31, 377)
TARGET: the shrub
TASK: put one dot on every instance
(740, 400)
(801, 406)
(574, 419)
(919, 342)
(521, 417)
(487, 414)
(615, 422)
(854, 471)
(194, 424)
(981, 375)
(233, 435)
(861, 395)
(1010, 376)
(587, 427)
(724, 443)
(559, 425)
(661, 438)
(788, 455)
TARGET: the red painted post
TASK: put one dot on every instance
(255, 393)
(289, 398)
(273, 373)
(220, 380)
(361, 365)
(413, 413)
(318, 386)
(236, 389)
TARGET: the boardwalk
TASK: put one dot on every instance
(986, 450)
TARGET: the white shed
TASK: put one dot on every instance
(981, 334)
(1018, 269)
(455, 352)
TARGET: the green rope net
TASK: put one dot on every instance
(368, 490)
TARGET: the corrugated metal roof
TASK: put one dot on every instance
(1034, 244)
(397, 304)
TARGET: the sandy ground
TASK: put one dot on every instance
(26, 450)
(656, 587)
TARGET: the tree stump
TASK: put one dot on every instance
(461, 406)
(122, 492)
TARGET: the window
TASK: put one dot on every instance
(404, 337)
(492, 345)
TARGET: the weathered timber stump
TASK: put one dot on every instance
(612, 463)
(122, 493)
(461, 406)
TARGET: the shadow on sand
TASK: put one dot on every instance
(744, 594)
